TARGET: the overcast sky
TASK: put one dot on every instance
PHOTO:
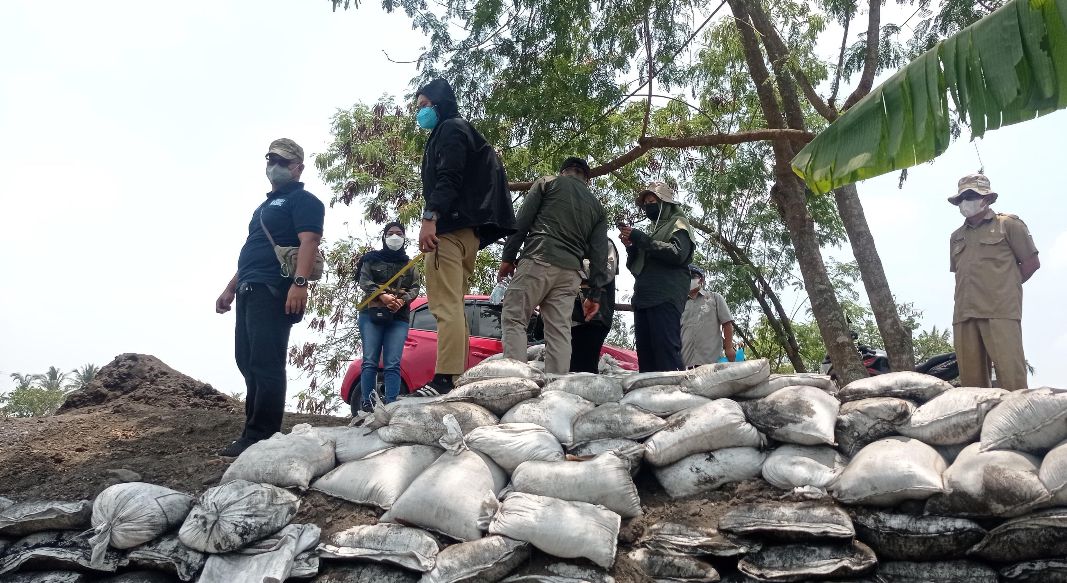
(132, 138)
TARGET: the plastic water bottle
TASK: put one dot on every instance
(740, 354)
(498, 292)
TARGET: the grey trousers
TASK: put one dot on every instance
(536, 283)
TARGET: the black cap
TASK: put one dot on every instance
(575, 162)
(696, 270)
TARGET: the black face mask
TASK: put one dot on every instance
(651, 210)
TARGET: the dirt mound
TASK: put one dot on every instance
(142, 378)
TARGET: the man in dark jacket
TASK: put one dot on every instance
(269, 302)
(467, 208)
(659, 261)
(560, 223)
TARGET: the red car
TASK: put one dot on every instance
(420, 348)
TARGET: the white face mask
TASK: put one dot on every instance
(278, 174)
(694, 284)
(394, 242)
(970, 208)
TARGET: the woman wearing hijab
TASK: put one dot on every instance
(659, 261)
(383, 323)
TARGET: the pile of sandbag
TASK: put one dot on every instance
(899, 477)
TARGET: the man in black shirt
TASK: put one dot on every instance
(269, 302)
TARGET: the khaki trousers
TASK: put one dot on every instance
(448, 273)
(979, 340)
(554, 289)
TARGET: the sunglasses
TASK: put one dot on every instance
(275, 160)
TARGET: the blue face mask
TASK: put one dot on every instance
(427, 118)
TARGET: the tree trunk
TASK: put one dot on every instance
(897, 340)
(788, 194)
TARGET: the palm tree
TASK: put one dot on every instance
(82, 376)
(53, 379)
(24, 381)
(1004, 69)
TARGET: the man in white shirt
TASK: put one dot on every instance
(705, 312)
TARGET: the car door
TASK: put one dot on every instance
(484, 321)
(420, 348)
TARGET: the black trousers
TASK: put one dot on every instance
(261, 344)
(586, 341)
(658, 332)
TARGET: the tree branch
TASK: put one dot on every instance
(779, 57)
(870, 62)
(652, 142)
(840, 66)
(651, 73)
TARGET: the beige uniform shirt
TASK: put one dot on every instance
(985, 259)
(702, 320)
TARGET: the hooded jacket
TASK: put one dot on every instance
(462, 179)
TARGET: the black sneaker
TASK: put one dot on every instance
(441, 384)
(236, 448)
(426, 391)
(366, 407)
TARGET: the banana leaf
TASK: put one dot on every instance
(1008, 67)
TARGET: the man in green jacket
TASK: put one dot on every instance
(659, 261)
(559, 224)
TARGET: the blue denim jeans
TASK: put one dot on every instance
(383, 342)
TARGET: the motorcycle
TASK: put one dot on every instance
(876, 361)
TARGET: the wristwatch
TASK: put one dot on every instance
(429, 215)
(300, 281)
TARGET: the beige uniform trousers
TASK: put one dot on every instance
(448, 273)
(553, 288)
(978, 340)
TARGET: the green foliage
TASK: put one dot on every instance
(1008, 67)
(929, 343)
(766, 344)
(32, 401)
(82, 376)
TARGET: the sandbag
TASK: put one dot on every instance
(57, 549)
(6, 502)
(725, 379)
(889, 471)
(865, 421)
(808, 561)
(951, 452)
(788, 521)
(952, 417)
(269, 560)
(47, 577)
(795, 466)
(939, 571)
(903, 537)
(670, 537)
(641, 380)
(1053, 473)
(286, 461)
(392, 544)
(24, 518)
(136, 577)
(914, 386)
(168, 554)
(360, 572)
(553, 410)
(663, 400)
(615, 420)
(777, 382)
(510, 444)
(558, 527)
(356, 443)
(1041, 535)
(596, 389)
(718, 425)
(1041, 571)
(667, 567)
(455, 495)
(133, 513)
(704, 472)
(305, 565)
(380, 478)
(496, 395)
(228, 517)
(800, 415)
(486, 559)
(630, 451)
(991, 483)
(604, 480)
(425, 424)
(1032, 420)
(502, 368)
